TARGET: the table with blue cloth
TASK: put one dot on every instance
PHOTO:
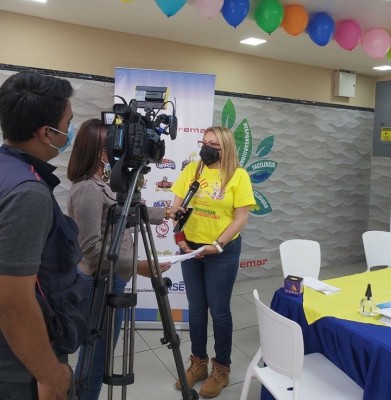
(361, 350)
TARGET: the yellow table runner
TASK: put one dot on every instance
(345, 303)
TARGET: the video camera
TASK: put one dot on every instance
(136, 138)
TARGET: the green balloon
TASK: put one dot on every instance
(269, 15)
(388, 55)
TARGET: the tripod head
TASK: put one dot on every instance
(128, 182)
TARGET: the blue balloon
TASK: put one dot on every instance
(170, 7)
(321, 28)
(235, 11)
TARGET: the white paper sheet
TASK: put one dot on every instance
(319, 286)
(181, 257)
(386, 321)
(384, 311)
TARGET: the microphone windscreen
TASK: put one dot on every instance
(194, 186)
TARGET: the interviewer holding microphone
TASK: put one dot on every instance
(89, 200)
(220, 211)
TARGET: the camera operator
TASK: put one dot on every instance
(89, 200)
(39, 283)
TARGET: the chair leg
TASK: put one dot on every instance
(247, 383)
(250, 373)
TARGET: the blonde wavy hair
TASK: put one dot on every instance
(229, 158)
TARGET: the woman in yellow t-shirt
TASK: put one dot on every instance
(220, 210)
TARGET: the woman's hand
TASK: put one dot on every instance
(184, 246)
(143, 268)
(208, 249)
(164, 267)
(171, 212)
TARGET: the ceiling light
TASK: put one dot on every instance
(40, 1)
(383, 68)
(253, 41)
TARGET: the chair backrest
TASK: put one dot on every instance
(281, 341)
(300, 257)
(377, 248)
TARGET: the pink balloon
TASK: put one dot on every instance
(208, 8)
(376, 43)
(348, 34)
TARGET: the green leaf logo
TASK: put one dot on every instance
(228, 115)
(259, 171)
(262, 205)
(265, 146)
(244, 141)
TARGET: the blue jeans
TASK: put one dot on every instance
(209, 283)
(95, 381)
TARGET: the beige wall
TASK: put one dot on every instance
(35, 42)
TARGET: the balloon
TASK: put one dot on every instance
(208, 8)
(389, 54)
(170, 7)
(235, 11)
(347, 34)
(295, 19)
(269, 15)
(376, 43)
(320, 28)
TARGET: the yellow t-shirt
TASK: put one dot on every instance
(213, 208)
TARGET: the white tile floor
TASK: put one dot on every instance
(154, 365)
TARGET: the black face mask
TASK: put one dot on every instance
(209, 155)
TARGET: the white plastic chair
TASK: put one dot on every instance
(377, 248)
(289, 374)
(300, 257)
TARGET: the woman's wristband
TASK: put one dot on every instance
(218, 246)
(179, 237)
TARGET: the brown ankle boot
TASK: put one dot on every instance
(198, 371)
(217, 381)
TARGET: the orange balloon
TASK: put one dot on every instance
(295, 19)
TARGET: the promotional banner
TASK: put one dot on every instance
(192, 97)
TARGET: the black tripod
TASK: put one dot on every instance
(105, 303)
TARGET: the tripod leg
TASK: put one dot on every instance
(127, 303)
(161, 292)
(102, 311)
(87, 350)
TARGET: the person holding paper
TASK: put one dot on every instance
(220, 211)
(89, 200)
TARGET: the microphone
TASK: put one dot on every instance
(192, 191)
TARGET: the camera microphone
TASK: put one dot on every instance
(192, 191)
(173, 126)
